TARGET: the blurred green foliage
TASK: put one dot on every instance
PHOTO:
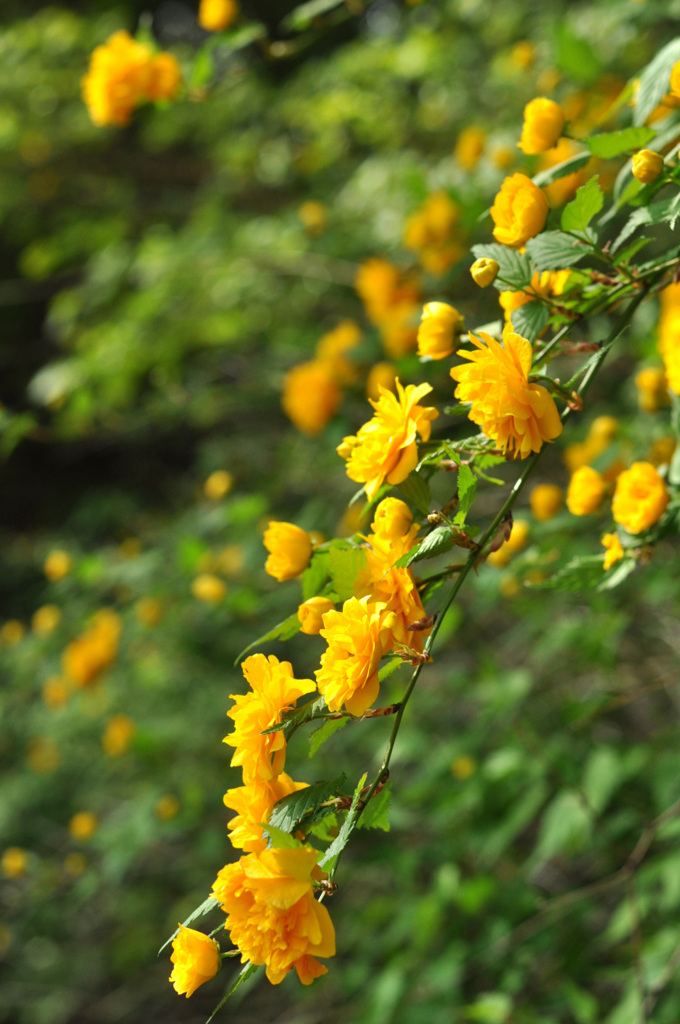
(157, 283)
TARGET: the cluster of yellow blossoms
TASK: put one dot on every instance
(123, 74)
(312, 391)
(391, 300)
(433, 233)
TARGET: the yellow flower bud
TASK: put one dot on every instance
(43, 755)
(148, 611)
(58, 564)
(12, 632)
(393, 518)
(290, 550)
(118, 735)
(14, 862)
(613, 550)
(546, 501)
(640, 497)
(166, 808)
(652, 388)
(83, 826)
(313, 217)
(463, 767)
(523, 54)
(519, 211)
(216, 15)
(208, 588)
(469, 147)
(519, 536)
(311, 613)
(586, 490)
(55, 692)
(647, 166)
(218, 485)
(543, 123)
(438, 328)
(196, 959)
(46, 619)
(484, 272)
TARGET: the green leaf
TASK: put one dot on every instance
(284, 631)
(315, 575)
(574, 55)
(241, 37)
(319, 736)
(344, 565)
(561, 170)
(439, 540)
(656, 213)
(455, 410)
(330, 857)
(416, 490)
(589, 200)
(203, 68)
(467, 488)
(206, 906)
(552, 250)
(579, 574)
(565, 826)
(389, 668)
(513, 267)
(376, 812)
(530, 319)
(302, 17)
(280, 839)
(289, 813)
(247, 971)
(617, 574)
(603, 773)
(655, 81)
(610, 144)
(312, 705)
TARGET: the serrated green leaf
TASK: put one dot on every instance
(344, 565)
(514, 268)
(416, 490)
(206, 906)
(655, 81)
(553, 250)
(315, 575)
(610, 144)
(280, 839)
(376, 812)
(319, 736)
(561, 170)
(284, 631)
(656, 213)
(330, 857)
(290, 812)
(435, 543)
(467, 489)
(310, 707)
(588, 201)
(530, 319)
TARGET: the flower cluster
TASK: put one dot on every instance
(123, 74)
(312, 391)
(432, 232)
(391, 300)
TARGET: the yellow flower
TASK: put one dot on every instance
(675, 79)
(519, 212)
(231, 559)
(382, 287)
(83, 826)
(43, 755)
(148, 611)
(55, 692)
(118, 79)
(585, 492)
(118, 735)
(311, 396)
(357, 638)
(14, 862)
(196, 958)
(669, 338)
(290, 549)
(216, 15)
(647, 166)
(332, 349)
(469, 147)
(385, 448)
(218, 485)
(516, 542)
(209, 588)
(545, 283)
(523, 54)
(46, 619)
(545, 501)
(310, 614)
(273, 692)
(86, 657)
(484, 271)
(613, 550)
(640, 497)
(381, 375)
(12, 632)
(165, 77)
(661, 451)
(272, 916)
(398, 330)
(167, 807)
(652, 388)
(463, 767)
(559, 191)
(253, 805)
(392, 519)
(430, 232)
(515, 413)
(393, 589)
(58, 564)
(543, 124)
(313, 216)
(439, 326)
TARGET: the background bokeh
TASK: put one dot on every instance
(157, 283)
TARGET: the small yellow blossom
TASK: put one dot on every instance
(394, 589)
(431, 232)
(469, 147)
(332, 349)
(218, 485)
(75, 863)
(439, 326)
(196, 959)
(585, 492)
(313, 216)
(209, 588)
(515, 413)
(12, 632)
(253, 805)
(165, 77)
(43, 755)
(519, 212)
(545, 283)
(310, 614)
(290, 549)
(86, 657)
(385, 448)
(14, 862)
(613, 550)
(652, 388)
(381, 375)
(382, 287)
(167, 807)
(484, 271)
(357, 638)
(392, 519)
(311, 396)
(647, 166)
(118, 735)
(231, 559)
(55, 692)
(516, 542)
(46, 619)
(523, 54)
(216, 15)
(463, 767)
(543, 123)
(559, 191)
(148, 611)
(83, 826)
(123, 74)
(58, 564)
(640, 498)
(661, 450)
(546, 501)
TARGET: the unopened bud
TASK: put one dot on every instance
(484, 272)
(647, 166)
